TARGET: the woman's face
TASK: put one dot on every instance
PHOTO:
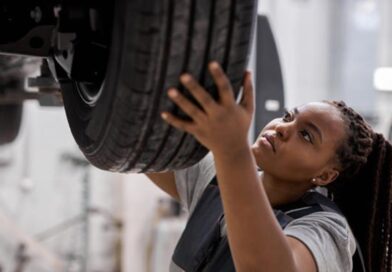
(302, 144)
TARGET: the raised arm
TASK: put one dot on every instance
(256, 239)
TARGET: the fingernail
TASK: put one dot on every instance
(173, 93)
(186, 78)
(164, 115)
(214, 65)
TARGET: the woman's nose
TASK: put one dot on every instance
(283, 131)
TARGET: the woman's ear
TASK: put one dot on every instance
(326, 177)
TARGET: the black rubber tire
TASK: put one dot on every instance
(12, 76)
(153, 43)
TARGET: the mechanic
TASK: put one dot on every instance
(316, 150)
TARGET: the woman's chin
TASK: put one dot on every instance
(255, 148)
(257, 151)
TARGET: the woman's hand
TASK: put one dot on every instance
(221, 126)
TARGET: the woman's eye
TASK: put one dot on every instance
(306, 136)
(287, 116)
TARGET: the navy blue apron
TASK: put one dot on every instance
(203, 248)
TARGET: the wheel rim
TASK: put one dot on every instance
(90, 93)
(91, 48)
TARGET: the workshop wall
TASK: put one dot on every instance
(45, 201)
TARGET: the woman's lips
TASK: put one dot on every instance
(266, 141)
(271, 140)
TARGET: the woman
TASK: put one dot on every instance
(323, 144)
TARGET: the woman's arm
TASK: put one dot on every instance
(256, 240)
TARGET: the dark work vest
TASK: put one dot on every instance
(203, 248)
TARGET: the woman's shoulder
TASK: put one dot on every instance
(329, 221)
(328, 236)
(192, 181)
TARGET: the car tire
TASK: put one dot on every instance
(152, 44)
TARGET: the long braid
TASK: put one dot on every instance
(363, 189)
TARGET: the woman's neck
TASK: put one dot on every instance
(281, 192)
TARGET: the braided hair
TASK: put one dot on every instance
(363, 190)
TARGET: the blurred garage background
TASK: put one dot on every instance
(57, 213)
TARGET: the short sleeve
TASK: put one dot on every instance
(329, 238)
(192, 181)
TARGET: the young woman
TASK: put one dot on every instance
(324, 144)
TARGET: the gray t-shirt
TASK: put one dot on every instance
(326, 234)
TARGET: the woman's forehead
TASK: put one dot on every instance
(319, 108)
(323, 115)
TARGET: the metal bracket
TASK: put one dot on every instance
(35, 43)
